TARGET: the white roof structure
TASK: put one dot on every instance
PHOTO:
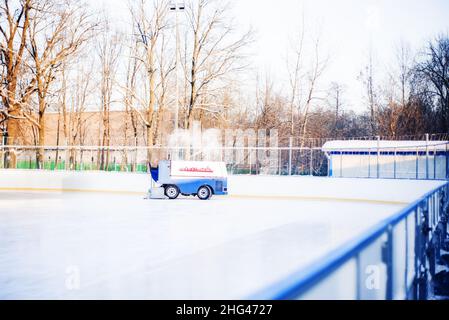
(384, 145)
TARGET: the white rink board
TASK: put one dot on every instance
(239, 185)
(123, 246)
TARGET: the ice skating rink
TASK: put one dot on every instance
(86, 245)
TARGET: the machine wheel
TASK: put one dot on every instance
(171, 191)
(204, 193)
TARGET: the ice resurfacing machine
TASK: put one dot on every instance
(189, 178)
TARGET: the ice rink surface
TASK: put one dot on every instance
(76, 245)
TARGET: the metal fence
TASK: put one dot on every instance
(410, 162)
(393, 260)
(243, 160)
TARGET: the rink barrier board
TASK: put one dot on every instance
(74, 190)
(243, 187)
(399, 246)
(242, 196)
(332, 199)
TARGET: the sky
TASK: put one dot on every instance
(346, 29)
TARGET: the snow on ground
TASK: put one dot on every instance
(124, 246)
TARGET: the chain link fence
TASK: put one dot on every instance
(273, 161)
(422, 157)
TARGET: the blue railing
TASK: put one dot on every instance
(393, 260)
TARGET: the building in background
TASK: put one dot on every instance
(387, 159)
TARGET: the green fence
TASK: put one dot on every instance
(239, 160)
(51, 165)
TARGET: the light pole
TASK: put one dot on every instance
(176, 7)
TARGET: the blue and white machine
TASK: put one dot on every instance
(189, 178)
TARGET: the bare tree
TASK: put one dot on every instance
(109, 50)
(393, 112)
(62, 107)
(16, 87)
(150, 21)
(432, 76)
(367, 78)
(335, 101)
(294, 68)
(214, 53)
(166, 64)
(76, 89)
(57, 31)
(270, 105)
(130, 122)
(405, 60)
(318, 66)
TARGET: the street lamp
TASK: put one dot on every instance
(177, 7)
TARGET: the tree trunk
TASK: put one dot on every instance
(41, 142)
(58, 135)
(41, 132)
(13, 134)
(150, 111)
